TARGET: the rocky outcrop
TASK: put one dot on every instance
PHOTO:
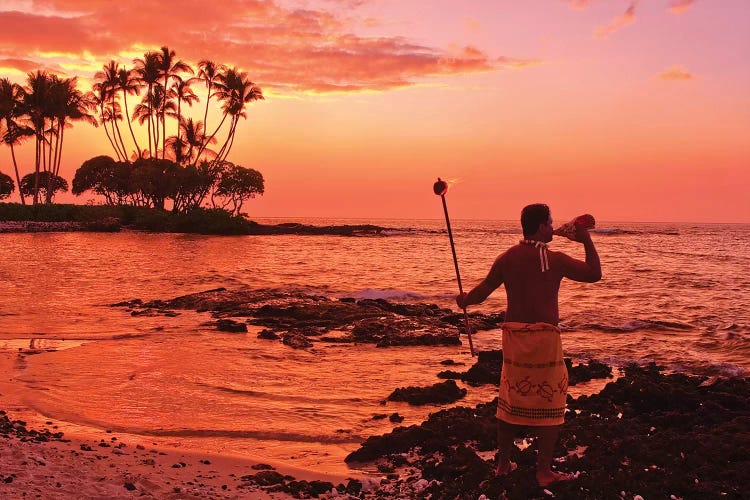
(440, 393)
(319, 318)
(647, 434)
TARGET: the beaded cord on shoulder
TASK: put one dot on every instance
(543, 257)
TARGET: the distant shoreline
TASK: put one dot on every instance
(16, 218)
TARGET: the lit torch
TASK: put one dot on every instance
(440, 188)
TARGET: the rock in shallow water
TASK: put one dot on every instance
(440, 393)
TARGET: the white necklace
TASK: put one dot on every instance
(543, 257)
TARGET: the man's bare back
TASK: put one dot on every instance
(531, 289)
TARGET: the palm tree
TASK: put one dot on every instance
(236, 91)
(147, 72)
(169, 68)
(193, 136)
(210, 73)
(107, 86)
(67, 103)
(107, 113)
(11, 96)
(183, 93)
(36, 104)
(129, 85)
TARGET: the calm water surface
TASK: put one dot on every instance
(676, 294)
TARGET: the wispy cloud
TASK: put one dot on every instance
(472, 25)
(680, 6)
(579, 4)
(618, 23)
(281, 47)
(676, 72)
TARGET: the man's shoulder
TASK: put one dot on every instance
(511, 251)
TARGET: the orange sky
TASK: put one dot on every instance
(629, 110)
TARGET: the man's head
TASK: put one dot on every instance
(536, 221)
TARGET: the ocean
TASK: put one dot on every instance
(675, 294)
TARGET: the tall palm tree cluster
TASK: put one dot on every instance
(41, 109)
(160, 152)
(166, 84)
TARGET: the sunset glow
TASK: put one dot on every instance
(629, 110)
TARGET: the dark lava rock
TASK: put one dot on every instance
(365, 321)
(485, 371)
(591, 370)
(458, 472)
(304, 489)
(477, 321)
(646, 434)
(229, 325)
(489, 366)
(17, 428)
(440, 393)
(296, 340)
(267, 334)
(266, 478)
(442, 431)
(396, 418)
(304, 229)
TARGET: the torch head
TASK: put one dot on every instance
(440, 187)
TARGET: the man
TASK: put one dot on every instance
(534, 379)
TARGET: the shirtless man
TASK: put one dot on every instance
(532, 275)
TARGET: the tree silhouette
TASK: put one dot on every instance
(31, 183)
(6, 186)
(15, 132)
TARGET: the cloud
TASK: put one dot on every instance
(21, 65)
(472, 25)
(281, 47)
(619, 22)
(680, 6)
(676, 72)
(579, 4)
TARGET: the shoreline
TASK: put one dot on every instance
(109, 226)
(645, 434)
(44, 458)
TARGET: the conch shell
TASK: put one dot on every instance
(569, 228)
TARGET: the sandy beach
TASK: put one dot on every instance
(45, 459)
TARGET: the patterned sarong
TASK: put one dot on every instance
(534, 379)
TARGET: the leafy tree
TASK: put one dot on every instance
(193, 184)
(6, 186)
(42, 182)
(238, 184)
(156, 180)
(107, 177)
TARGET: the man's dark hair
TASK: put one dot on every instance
(532, 216)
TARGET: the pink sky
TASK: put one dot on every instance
(629, 110)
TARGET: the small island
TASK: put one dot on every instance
(15, 218)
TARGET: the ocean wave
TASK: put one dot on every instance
(616, 231)
(387, 294)
(339, 438)
(283, 397)
(632, 325)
